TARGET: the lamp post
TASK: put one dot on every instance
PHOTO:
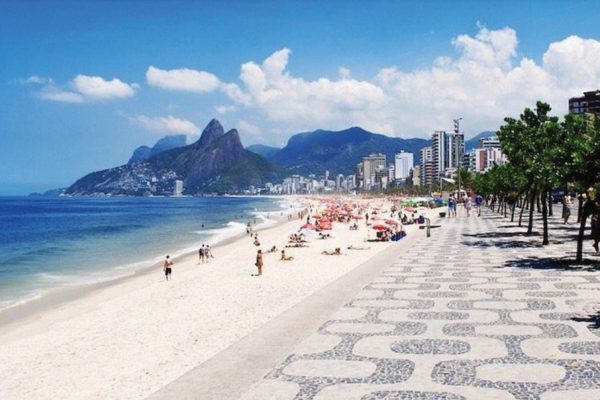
(456, 149)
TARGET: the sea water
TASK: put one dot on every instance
(49, 242)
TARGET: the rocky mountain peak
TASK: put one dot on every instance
(213, 130)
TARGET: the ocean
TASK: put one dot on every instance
(50, 242)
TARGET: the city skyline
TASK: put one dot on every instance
(84, 83)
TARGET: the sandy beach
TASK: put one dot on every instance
(128, 339)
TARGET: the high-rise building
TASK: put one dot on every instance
(455, 149)
(404, 162)
(588, 103)
(426, 170)
(391, 173)
(178, 190)
(370, 165)
(439, 152)
(491, 142)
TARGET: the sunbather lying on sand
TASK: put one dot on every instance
(296, 245)
(336, 252)
(352, 247)
(273, 250)
(284, 257)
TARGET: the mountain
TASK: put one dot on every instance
(339, 152)
(262, 150)
(164, 144)
(473, 143)
(217, 162)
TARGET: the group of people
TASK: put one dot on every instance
(467, 202)
(204, 254)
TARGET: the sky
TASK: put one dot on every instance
(83, 83)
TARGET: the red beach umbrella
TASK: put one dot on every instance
(380, 227)
(391, 222)
(309, 226)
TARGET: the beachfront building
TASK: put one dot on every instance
(426, 169)
(447, 153)
(391, 173)
(491, 142)
(373, 166)
(588, 103)
(481, 160)
(178, 190)
(404, 162)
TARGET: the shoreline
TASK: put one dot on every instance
(143, 332)
(25, 309)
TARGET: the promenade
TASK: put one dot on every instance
(477, 311)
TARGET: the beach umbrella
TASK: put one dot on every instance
(308, 227)
(358, 217)
(380, 227)
(391, 222)
(409, 209)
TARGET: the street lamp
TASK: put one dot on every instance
(456, 154)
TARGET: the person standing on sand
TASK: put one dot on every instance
(259, 262)
(208, 253)
(201, 254)
(168, 268)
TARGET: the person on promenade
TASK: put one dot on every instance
(479, 204)
(451, 207)
(259, 262)
(467, 202)
(168, 267)
(566, 210)
(201, 255)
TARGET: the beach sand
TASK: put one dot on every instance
(128, 339)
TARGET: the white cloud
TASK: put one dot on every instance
(182, 79)
(95, 87)
(168, 124)
(225, 109)
(38, 80)
(483, 83)
(62, 96)
(247, 127)
(83, 88)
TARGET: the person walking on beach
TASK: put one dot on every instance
(259, 262)
(566, 210)
(201, 254)
(208, 253)
(168, 268)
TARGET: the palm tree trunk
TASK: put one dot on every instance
(531, 210)
(580, 236)
(545, 216)
(523, 205)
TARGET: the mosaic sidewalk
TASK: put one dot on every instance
(467, 314)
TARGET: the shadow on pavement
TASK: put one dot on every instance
(504, 244)
(565, 263)
(592, 320)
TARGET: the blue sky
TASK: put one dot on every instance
(78, 94)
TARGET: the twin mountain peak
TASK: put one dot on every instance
(218, 163)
